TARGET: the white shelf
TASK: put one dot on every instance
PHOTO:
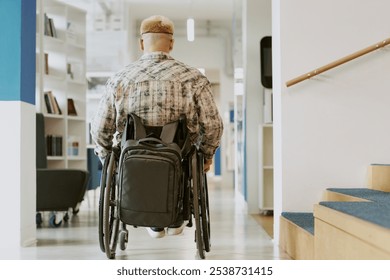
(58, 55)
(53, 40)
(75, 158)
(77, 46)
(266, 184)
(55, 77)
(97, 96)
(55, 158)
(77, 82)
(99, 74)
(76, 118)
(53, 116)
(91, 146)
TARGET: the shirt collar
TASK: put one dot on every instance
(156, 55)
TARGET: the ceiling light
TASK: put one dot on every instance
(190, 29)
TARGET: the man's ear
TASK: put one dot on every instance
(171, 44)
(141, 44)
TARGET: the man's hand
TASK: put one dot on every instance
(207, 164)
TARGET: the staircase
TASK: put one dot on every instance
(349, 223)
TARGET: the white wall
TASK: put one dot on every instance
(256, 25)
(18, 177)
(330, 128)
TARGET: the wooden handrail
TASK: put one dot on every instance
(338, 62)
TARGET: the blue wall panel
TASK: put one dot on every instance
(28, 56)
(17, 46)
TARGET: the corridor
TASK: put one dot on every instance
(234, 236)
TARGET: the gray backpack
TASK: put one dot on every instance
(150, 175)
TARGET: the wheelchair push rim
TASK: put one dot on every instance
(200, 206)
(109, 212)
(101, 202)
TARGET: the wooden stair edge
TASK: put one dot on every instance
(329, 195)
(378, 177)
(296, 241)
(366, 231)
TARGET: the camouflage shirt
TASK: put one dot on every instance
(158, 89)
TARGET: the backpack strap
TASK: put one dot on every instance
(134, 128)
(139, 129)
(168, 132)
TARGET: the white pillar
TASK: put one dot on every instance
(17, 125)
(256, 25)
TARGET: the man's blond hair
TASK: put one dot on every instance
(157, 24)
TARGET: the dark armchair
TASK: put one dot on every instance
(57, 189)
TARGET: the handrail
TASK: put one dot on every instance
(338, 62)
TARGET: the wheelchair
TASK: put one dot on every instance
(193, 202)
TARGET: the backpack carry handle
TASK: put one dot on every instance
(152, 141)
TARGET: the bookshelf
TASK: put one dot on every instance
(60, 74)
(266, 134)
(96, 88)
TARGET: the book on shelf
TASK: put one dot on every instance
(50, 29)
(57, 106)
(71, 108)
(54, 145)
(51, 102)
(46, 63)
(74, 69)
(49, 108)
(69, 70)
(46, 25)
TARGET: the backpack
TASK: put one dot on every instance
(150, 175)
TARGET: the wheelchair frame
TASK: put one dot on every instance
(112, 230)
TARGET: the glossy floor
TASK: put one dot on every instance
(234, 236)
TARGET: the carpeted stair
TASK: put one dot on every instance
(297, 234)
(352, 223)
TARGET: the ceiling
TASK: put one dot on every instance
(213, 10)
(181, 9)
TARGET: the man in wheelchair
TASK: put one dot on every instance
(158, 89)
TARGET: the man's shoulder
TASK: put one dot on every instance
(183, 65)
(189, 72)
(125, 73)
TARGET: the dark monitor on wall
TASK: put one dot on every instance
(266, 61)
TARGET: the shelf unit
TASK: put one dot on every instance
(61, 66)
(266, 193)
(96, 89)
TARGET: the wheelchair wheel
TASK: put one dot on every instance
(200, 206)
(101, 202)
(205, 216)
(204, 203)
(108, 215)
(110, 210)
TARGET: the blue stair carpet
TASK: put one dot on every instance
(301, 219)
(369, 194)
(377, 213)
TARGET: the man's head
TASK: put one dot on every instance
(157, 34)
(157, 24)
